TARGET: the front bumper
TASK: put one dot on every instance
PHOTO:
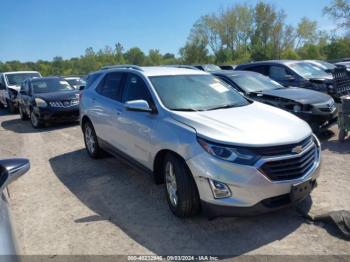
(252, 191)
(318, 119)
(57, 113)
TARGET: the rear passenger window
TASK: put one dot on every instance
(111, 85)
(136, 89)
(277, 72)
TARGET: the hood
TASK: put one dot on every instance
(300, 95)
(254, 125)
(327, 78)
(58, 96)
(15, 87)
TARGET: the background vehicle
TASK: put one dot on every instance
(299, 74)
(199, 137)
(346, 64)
(327, 67)
(10, 170)
(228, 67)
(75, 81)
(316, 108)
(48, 99)
(207, 67)
(10, 83)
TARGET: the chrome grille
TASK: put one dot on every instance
(65, 103)
(291, 168)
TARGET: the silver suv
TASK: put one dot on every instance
(213, 149)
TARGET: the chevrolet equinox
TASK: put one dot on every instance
(214, 149)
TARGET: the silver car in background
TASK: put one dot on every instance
(213, 149)
(10, 170)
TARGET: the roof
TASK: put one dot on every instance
(282, 62)
(45, 78)
(163, 71)
(19, 72)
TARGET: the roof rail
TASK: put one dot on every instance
(122, 66)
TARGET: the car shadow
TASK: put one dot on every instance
(130, 200)
(329, 141)
(23, 127)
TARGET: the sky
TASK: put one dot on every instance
(42, 29)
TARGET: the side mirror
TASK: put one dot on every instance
(138, 105)
(11, 169)
(81, 88)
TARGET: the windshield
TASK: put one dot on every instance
(75, 81)
(326, 65)
(196, 92)
(211, 68)
(307, 70)
(50, 86)
(255, 82)
(17, 79)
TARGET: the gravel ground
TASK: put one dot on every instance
(71, 204)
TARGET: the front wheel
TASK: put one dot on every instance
(22, 114)
(34, 119)
(91, 141)
(181, 189)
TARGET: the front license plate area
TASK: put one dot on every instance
(301, 191)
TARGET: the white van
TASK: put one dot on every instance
(10, 84)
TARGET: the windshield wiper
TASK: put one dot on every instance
(185, 109)
(221, 107)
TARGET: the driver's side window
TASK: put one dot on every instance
(278, 72)
(136, 89)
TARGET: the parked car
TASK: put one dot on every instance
(228, 67)
(212, 148)
(316, 108)
(207, 67)
(10, 83)
(346, 64)
(300, 74)
(75, 81)
(10, 170)
(48, 99)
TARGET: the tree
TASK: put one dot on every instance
(155, 57)
(339, 10)
(119, 57)
(306, 32)
(135, 56)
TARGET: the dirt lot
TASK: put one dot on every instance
(71, 204)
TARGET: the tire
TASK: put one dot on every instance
(91, 141)
(182, 196)
(342, 135)
(23, 115)
(36, 123)
(11, 107)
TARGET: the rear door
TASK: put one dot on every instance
(25, 97)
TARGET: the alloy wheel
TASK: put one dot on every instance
(89, 139)
(171, 186)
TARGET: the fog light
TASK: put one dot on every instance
(219, 189)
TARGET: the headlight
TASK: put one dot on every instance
(40, 102)
(232, 154)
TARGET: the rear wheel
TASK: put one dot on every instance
(22, 114)
(181, 189)
(34, 119)
(91, 141)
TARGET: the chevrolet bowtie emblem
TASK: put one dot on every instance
(297, 149)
